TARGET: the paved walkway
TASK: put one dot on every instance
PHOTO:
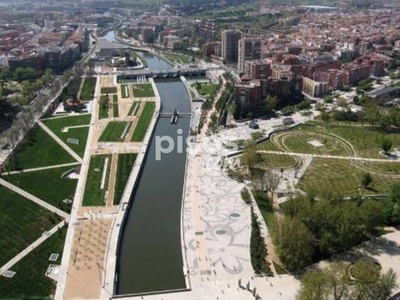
(35, 199)
(65, 129)
(66, 116)
(31, 247)
(307, 155)
(42, 168)
(60, 142)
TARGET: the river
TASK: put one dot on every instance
(150, 255)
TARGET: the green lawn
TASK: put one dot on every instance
(366, 140)
(125, 164)
(134, 108)
(177, 58)
(108, 90)
(265, 206)
(56, 125)
(276, 161)
(103, 107)
(30, 279)
(39, 150)
(47, 185)
(125, 91)
(113, 131)
(143, 122)
(268, 146)
(340, 177)
(388, 167)
(21, 222)
(94, 195)
(88, 88)
(142, 90)
(206, 89)
(115, 106)
(299, 142)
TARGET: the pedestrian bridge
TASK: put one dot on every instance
(160, 74)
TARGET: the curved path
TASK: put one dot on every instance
(278, 140)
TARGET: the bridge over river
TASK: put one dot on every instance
(159, 74)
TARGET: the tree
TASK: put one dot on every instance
(270, 103)
(331, 283)
(325, 116)
(342, 103)
(373, 114)
(232, 108)
(366, 273)
(271, 180)
(250, 156)
(21, 74)
(294, 244)
(366, 180)
(314, 285)
(385, 121)
(372, 214)
(386, 145)
(320, 106)
(336, 278)
(385, 286)
(5, 74)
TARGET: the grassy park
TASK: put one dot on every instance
(365, 140)
(22, 222)
(113, 131)
(125, 91)
(94, 194)
(206, 89)
(81, 133)
(125, 164)
(177, 58)
(37, 184)
(88, 88)
(30, 279)
(335, 176)
(144, 122)
(276, 161)
(108, 90)
(142, 90)
(39, 150)
(340, 177)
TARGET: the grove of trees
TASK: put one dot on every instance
(336, 282)
(311, 229)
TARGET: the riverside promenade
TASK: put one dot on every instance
(93, 232)
(121, 213)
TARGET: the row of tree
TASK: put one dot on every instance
(29, 114)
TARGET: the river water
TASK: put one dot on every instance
(150, 255)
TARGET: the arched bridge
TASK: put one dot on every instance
(160, 74)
